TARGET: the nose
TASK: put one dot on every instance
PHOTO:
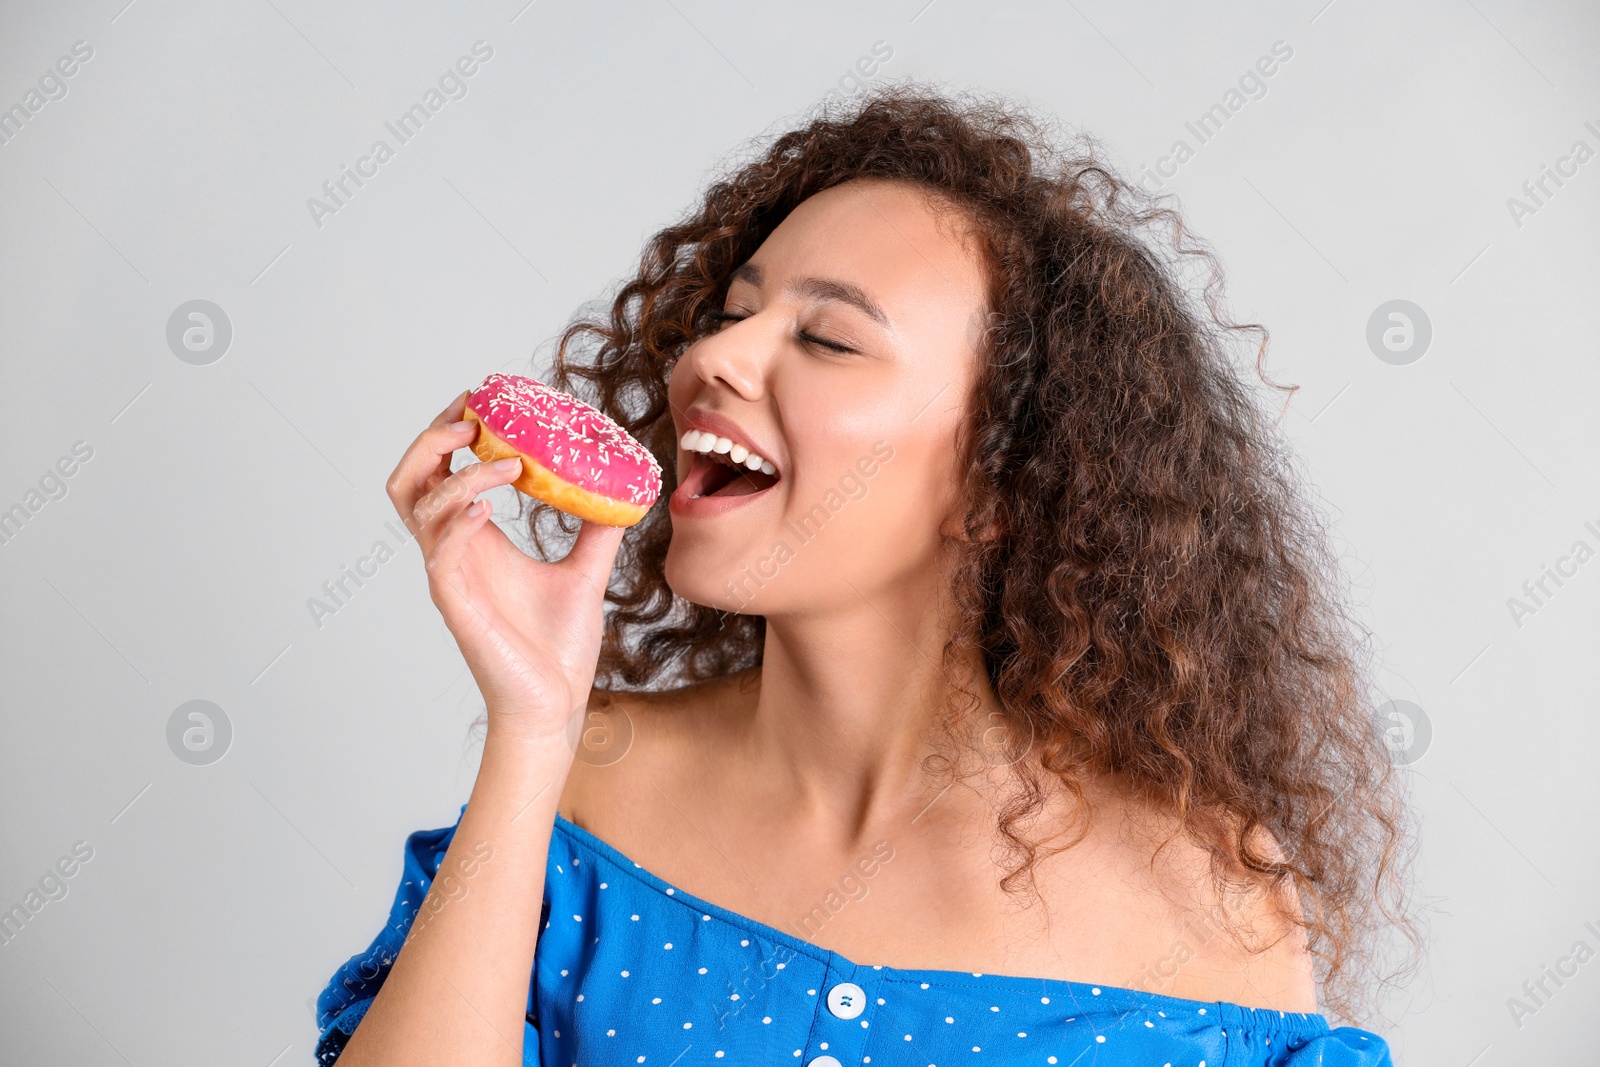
(734, 358)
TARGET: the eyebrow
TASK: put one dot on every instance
(821, 289)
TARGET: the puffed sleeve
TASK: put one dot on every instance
(354, 985)
(1273, 1039)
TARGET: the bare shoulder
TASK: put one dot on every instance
(1222, 933)
(633, 743)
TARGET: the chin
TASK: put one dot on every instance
(715, 577)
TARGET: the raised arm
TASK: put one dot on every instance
(530, 633)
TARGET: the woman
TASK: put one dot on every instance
(1015, 716)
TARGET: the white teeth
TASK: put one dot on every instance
(739, 455)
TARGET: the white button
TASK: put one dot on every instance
(847, 1000)
(824, 1061)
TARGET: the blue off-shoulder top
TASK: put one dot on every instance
(631, 970)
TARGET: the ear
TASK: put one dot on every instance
(953, 527)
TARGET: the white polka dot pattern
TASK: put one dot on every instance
(635, 971)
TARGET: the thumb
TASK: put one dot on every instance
(594, 553)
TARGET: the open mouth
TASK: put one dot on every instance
(714, 474)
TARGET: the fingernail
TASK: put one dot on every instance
(510, 463)
(458, 427)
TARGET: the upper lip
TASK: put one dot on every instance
(710, 422)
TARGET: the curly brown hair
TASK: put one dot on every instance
(1154, 601)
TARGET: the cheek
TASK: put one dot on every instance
(678, 378)
(877, 459)
(869, 498)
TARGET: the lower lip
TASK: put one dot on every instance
(705, 507)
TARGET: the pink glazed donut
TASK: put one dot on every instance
(573, 456)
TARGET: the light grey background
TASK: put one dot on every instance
(219, 498)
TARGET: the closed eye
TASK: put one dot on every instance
(720, 317)
(824, 344)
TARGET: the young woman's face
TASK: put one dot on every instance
(845, 364)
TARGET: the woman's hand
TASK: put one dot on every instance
(529, 630)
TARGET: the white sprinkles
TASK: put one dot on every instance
(545, 423)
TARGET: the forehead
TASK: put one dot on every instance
(907, 249)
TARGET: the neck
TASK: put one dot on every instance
(846, 704)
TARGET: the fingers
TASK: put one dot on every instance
(427, 461)
(451, 496)
(444, 558)
(594, 553)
